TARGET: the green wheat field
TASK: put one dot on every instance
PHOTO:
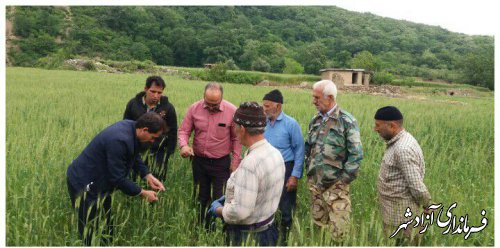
(52, 115)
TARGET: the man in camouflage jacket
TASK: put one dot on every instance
(333, 156)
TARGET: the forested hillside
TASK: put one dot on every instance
(276, 39)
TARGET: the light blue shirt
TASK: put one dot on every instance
(286, 136)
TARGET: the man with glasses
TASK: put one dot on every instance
(216, 150)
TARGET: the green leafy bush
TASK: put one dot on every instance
(382, 77)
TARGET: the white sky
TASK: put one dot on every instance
(468, 17)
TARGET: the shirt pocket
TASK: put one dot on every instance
(221, 132)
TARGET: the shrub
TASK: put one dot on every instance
(261, 65)
(231, 65)
(52, 61)
(216, 73)
(89, 66)
(382, 77)
(292, 67)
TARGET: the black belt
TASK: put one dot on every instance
(251, 226)
(206, 158)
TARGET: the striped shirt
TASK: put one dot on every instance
(253, 191)
(401, 179)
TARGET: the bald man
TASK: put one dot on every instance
(216, 150)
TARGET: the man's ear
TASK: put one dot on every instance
(142, 130)
(394, 125)
(146, 88)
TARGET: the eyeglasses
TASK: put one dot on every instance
(212, 105)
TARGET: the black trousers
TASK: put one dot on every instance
(287, 204)
(91, 209)
(238, 237)
(157, 160)
(211, 175)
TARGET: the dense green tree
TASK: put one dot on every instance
(261, 64)
(139, 51)
(478, 68)
(312, 57)
(292, 67)
(161, 54)
(365, 60)
(220, 45)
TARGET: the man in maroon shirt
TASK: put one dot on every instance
(216, 150)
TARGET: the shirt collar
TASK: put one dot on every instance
(257, 144)
(279, 118)
(144, 101)
(396, 138)
(332, 112)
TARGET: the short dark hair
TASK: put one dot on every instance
(152, 121)
(156, 80)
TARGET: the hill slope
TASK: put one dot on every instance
(268, 38)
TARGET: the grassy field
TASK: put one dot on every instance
(52, 115)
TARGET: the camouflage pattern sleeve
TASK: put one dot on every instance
(354, 151)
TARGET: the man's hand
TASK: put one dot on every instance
(154, 183)
(291, 184)
(216, 204)
(186, 151)
(149, 195)
(222, 200)
(233, 167)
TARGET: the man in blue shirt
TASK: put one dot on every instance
(284, 133)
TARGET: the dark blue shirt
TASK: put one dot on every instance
(286, 136)
(107, 160)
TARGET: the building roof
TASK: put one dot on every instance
(343, 69)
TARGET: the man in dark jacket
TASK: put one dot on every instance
(104, 165)
(151, 100)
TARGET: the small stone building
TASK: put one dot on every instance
(347, 77)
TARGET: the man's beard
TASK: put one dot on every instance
(270, 115)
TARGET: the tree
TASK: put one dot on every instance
(313, 57)
(478, 68)
(365, 60)
(292, 67)
(261, 65)
(220, 45)
(161, 54)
